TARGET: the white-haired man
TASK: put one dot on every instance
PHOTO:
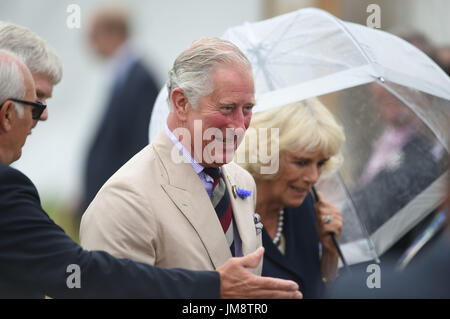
(19, 111)
(177, 202)
(38, 56)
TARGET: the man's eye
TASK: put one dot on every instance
(227, 108)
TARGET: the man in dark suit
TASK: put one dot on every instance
(124, 128)
(37, 258)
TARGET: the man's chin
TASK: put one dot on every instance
(18, 155)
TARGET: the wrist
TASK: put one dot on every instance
(330, 252)
(329, 266)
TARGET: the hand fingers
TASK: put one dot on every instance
(269, 283)
(276, 294)
(329, 221)
(268, 287)
(334, 226)
(324, 209)
(320, 195)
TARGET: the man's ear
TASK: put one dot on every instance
(6, 116)
(180, 104)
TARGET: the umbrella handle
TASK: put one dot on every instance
(333, 235)
(338, 247)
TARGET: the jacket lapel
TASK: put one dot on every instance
(242, 217)
(187, 192)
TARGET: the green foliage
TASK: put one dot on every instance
(63, 216)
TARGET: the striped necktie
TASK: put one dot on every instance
(221, 201)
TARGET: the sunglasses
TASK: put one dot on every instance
(36, 111)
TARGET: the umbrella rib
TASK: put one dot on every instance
(275, 43)
(271, 78)
(290, 51)
(319, 62)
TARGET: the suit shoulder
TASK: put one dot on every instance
(141, 73)
(135, 177)
(238, 171)
(12, 178)
(7, 171)
(19, 197)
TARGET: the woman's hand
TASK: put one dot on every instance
(329, 220)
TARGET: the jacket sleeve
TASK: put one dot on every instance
(35, 254)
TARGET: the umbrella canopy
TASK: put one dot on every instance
(355, 70)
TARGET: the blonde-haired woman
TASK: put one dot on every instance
(296, 229)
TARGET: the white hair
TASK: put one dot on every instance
(191, 70)
(12, 81)
(37, 55)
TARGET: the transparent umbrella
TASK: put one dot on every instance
(394, 104)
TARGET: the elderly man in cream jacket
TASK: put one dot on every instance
(181, 202)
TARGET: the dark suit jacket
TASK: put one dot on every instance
(301, 263)
(35, 253)
(124, 129)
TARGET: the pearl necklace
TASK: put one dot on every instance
(276, 240)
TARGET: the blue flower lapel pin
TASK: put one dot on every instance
(242, 193)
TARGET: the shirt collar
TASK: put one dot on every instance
(195, 165)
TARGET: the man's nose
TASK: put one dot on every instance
(44, 115)
(238, 120)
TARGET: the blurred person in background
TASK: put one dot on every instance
(420, 41)
(296, 229)
(403, 161)
(123, 130)
(404, 157)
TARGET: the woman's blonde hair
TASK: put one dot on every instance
(306, 126)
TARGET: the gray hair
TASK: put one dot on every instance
(37, 55)
(12, 82)
(191, 70)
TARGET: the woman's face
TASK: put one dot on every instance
(299, 171)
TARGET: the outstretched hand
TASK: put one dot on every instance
(237, 282)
